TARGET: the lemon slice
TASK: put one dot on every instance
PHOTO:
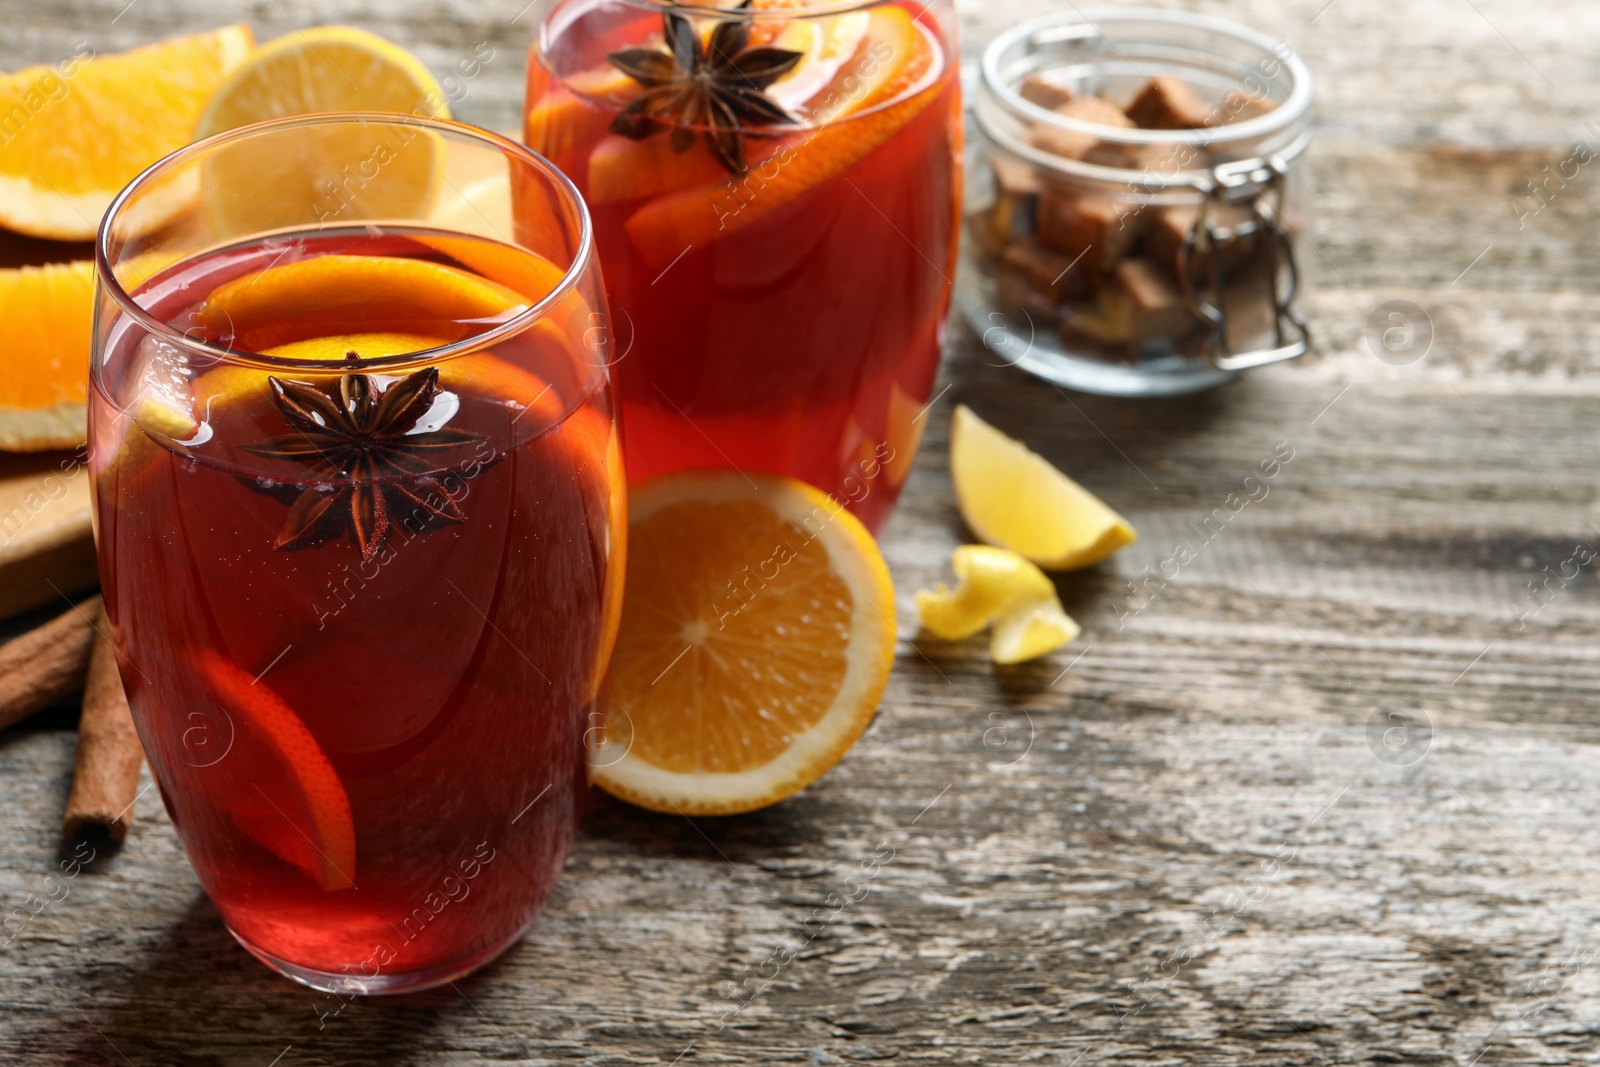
(326, 68)
(827, 44)
(165, 402)
(1011, 497)
(756, 639)
(1000, 587)
(337, 174)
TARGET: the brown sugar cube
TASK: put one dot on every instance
(1167, 103)
(1016, 198)
(1170, 227)
(1095, 231)
(1240, 106)
(1037, 279)
(1142, 303)
(1013, 176)
(1171, 158)
(1040, 90)
(1071, 144)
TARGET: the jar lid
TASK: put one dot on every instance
(1120, 51)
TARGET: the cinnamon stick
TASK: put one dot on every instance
(106, 778)
(47, 664)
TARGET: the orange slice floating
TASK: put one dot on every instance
(893, 59)
(532, 276)
(624, 169)
(576, 111)
(344, 294)
(594, 449)
(282, 791)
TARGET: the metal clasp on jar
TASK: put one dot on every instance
(1223, 258)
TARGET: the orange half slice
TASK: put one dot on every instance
(756, 639)
(283, 792)
(345, 294)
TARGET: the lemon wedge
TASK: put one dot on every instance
(998, 586)
(1030, 631)
(1011, 497)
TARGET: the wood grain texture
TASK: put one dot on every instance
(1194, 836)
(46, 535)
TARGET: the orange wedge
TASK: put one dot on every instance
(757, 636)
(342, 294)
(576, 111)
(79, 131)
(282, 791)
(531, 275)
(624, 169)
(46, 314)
(662, 229)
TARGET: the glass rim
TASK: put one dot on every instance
(523, 320)
(809, 9)
(1292, 110)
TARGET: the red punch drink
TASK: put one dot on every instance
(360, 518)
(774, 195)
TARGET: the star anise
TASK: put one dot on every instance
(717, 87)
(359, 443)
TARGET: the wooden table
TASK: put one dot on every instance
(1191, 837)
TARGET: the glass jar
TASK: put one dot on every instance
(1133, 212)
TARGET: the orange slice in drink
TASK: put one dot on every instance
(756, 639)
(625, 169)
(532, 276)
(282, 791)
(894, 59)
(576, 110)
(342, 294)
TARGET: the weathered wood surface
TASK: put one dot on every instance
(1175, 842)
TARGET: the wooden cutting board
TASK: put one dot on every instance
(46, 537)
